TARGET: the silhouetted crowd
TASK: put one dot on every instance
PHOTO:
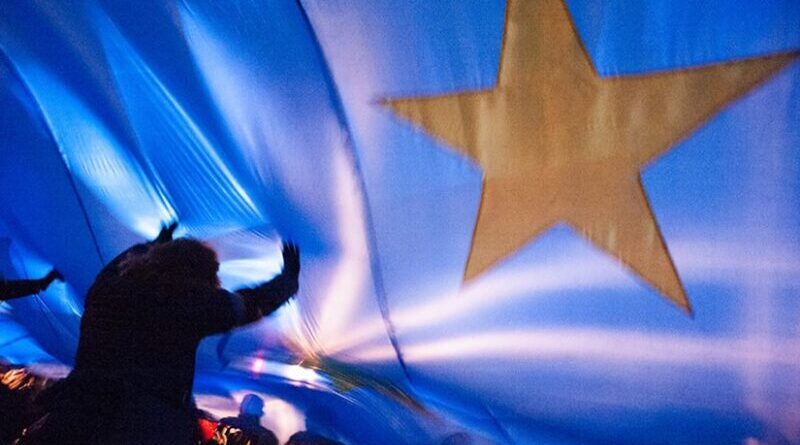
(144, 316)
(143, 319)
(20, 389)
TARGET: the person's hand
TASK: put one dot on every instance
(165, 235)
(54, 274)
(50, 277)
(268, 297)
(286, 285)
(291, 259)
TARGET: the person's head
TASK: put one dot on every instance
(173, 264)
(252, 405)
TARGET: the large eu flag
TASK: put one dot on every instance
(527, 221)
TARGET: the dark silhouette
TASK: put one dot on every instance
(18, 388)
(10, 289)
(206, 426)
(245, 429)
(144, 317)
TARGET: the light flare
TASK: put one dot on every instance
(145, 94)
(501, 287)
(598, 345)
(282, 418)
(243, 272)
(340, 301)
(95, 156)
(292, 374)
(700, 260)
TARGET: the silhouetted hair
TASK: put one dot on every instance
(181, 263)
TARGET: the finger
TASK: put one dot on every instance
(294, 257)
(290, 251)
(291, 258)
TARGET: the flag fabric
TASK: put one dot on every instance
(532, 221)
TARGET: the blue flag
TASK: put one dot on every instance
(530, 221)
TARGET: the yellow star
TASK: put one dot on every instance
(558, 143)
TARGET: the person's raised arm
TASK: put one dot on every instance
(19, 288)
(218, 310)
(264, 299)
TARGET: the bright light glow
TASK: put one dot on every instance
(340, 301)
(290, 321)
(283, 418)
(144, 94)
(596, 345)
(501, 287)
(298, 373)
(234, 88)
(95, 156)
(698, 260)
(293, 374)
(728, 257)
(258, 365)
(252, 110)
(217, 405)
(238, 273)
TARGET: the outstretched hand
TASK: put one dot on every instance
(291, 259)
(268, 297)
(285, 285)
(50, 277)
(54, 274)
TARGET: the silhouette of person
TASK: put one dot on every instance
(245, 429)
(18, 388)
(144, 317)
(10, 289)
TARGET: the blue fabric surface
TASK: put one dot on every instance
(255, 121)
